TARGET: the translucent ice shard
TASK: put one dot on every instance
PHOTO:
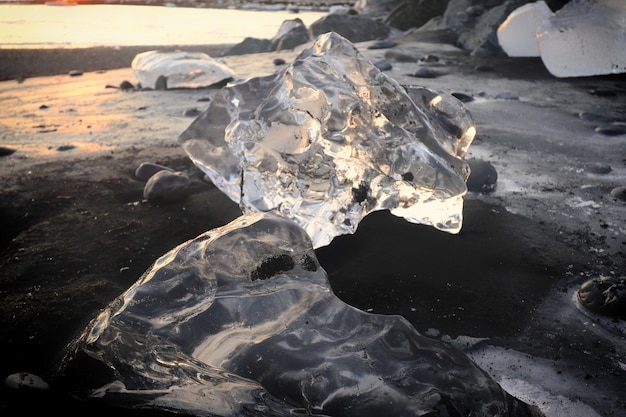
(161, 70)
(517, 35)
(330, 139)
(585, 38)
(241, 321)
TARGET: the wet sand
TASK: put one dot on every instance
(77, 233)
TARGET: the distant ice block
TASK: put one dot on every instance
(241, 321)
(585, 38)
(179, 70)
(330, 139)
(517, 35)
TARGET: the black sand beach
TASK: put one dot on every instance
(76, 232)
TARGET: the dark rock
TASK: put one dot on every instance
(400, 56)
(619, 193)
(161, 83)
(596, 118)
(415, 13)
(429, 58)
(44, 107)
(604, 295)
(382, 44)
(250, 46)
(166, 187)
(75, 73)
(147, 169)
(603, 92)
(4, 151)
(126, 85)
(25, 380)
(193, 112)
(383, 65)
(63, 148)
(355, 28)
(279, 61)
(425, 73)
(465, 98)
(613, 129)
(598, 168)
(291, 33)
(483, 176)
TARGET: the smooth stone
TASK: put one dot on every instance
(166, 187)
(383, 65)
(279, 61)
(63, 148)
(75, 73)
(161, 83)
(598, 168)
(611, 130)
(25, 380)
(4, 151)
(483, 176)
(619, 193)
(147, 169)
(429, 58)
(465, 98)
(604, 295)
(593, 117)
(126, 85)
(425, 73)
(399, 56)
(193, 112)
(383, 44)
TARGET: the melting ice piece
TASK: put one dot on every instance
(330, 139)
(585, 38)
(242, 321)
(517, 35)
(179, 70)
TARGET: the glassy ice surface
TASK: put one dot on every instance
(585, 38)
(517, 35)
(330, 139)
(241, 321)
(179, 70)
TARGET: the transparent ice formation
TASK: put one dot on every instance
(179, 70)
(517, 35)
(330, 139)
(241, 321)
(585, 38)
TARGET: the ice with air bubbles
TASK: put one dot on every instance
(241, 321)
(331, 138)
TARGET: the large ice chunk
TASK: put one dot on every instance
(179, 70)
(585, 38)
(241, 321)
(330, 139)
(517, 35)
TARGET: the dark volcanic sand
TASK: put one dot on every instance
(70, 245)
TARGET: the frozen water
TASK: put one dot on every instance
(241, 321)
(585, 38)
(517, 35)
(179, 69)
(330, 139)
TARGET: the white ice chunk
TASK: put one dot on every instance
(517, 35)
(585, 38)
(179, 70)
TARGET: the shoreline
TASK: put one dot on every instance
(22, 63)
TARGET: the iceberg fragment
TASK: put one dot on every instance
(517, 35)
(179, 70)
(331, 138)
(241, 321)
(585, 38)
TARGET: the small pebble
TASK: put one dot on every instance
(383, 65)
(25, 380)
(429, 58)
(204, 99)
(597, 168)
(193, 112)
(619, 193)
(596, 118)
(399, 56)
(425, 73)
(4, 151)
(75, 73)
(483, 176)
(603, 92)
(126, 85)
(63, 148)
(166, 187)
(465, 98)
(147, 169)
(44, 107)
(279, 61)
(611, 130)
(384, 44)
